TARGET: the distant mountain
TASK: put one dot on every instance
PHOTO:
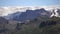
(4, 11)
(29, 15)
(11, 16)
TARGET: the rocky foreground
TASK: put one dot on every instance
(38, 25)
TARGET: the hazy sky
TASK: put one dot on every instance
(29, 2)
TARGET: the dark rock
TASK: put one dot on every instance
(42, 24)
(47, 23)
(52, 23)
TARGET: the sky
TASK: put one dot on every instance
(29, 2)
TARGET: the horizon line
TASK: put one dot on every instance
(29, 6)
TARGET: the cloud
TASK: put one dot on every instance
(12, 9)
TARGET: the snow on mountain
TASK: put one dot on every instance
(55, 13)
(4, 11)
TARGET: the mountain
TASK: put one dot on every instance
(4, 11)
(33, 21)
(29, 15)
(10, 16)
(55, 12)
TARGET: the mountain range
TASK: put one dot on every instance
(4, 11)
(32, 14)
(28, 13)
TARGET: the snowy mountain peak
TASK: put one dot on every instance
(55, 13)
